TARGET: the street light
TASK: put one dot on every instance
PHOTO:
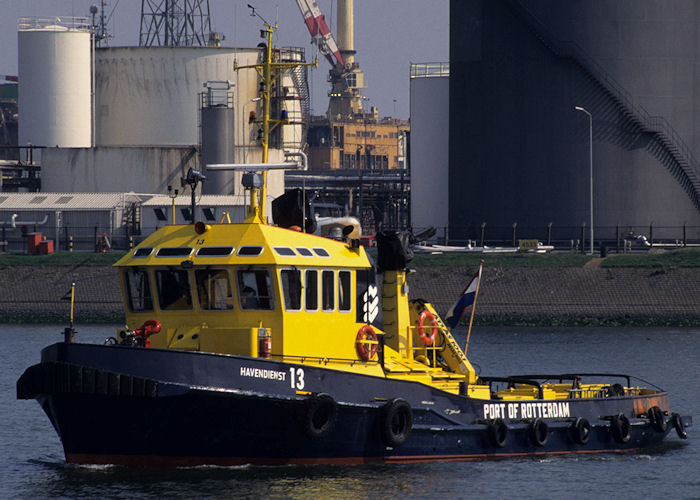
(590, 154)
(245, 127)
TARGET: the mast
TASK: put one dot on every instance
(268, 71)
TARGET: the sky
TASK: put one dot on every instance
(389, 36)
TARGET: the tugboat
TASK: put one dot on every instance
(264, 344)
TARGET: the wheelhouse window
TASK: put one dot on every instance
(174, 252)
(327, 290)
(143, 252)
(291, 289)
(214, 289)
(138, 290)
(173, 288)
(214, 251)
(344, 291)
(249, 251)
(304, 252)
(255, 289)
(311, 289)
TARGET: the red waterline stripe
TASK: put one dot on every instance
(163, 461)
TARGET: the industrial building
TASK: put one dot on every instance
(554, 104)
(357, 160)
(363, 143)
(137, 118)
(101, 221)
(96, 118)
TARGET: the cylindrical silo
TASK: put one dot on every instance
(149, 95)
(521, 160)
(54, 82)
(217, 119)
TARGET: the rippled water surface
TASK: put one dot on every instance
(32, 463)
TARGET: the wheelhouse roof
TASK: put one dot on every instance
(249, 244)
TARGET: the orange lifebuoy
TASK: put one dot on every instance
(366, 336)
(428, 339)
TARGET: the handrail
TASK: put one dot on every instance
(429, 70)
(53, 23)
(319, 359)
(514, 380)
(573, 376)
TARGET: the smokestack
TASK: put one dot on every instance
(346, 41)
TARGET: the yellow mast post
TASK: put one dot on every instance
(268, 72)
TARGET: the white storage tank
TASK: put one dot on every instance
(54, 82)
(149, 96)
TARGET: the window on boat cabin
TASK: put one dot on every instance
(291, 289)
(255, 289)
(327, 290)
(311, 289)
(344, 291)
(304, 252)
(173, 287)
(214, 289)
(138, 290)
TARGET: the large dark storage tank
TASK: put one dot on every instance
(519, 151)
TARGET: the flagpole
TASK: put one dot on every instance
(471, 318)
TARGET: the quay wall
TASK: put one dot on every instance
(556, 296)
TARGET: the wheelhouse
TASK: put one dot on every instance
(223, 290)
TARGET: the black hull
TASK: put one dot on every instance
(134, 406)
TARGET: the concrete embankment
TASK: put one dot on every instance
(570, 295)
(513, 295)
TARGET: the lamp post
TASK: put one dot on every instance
(244, 128)
(590, 155)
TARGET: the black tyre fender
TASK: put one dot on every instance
(657, 419)
(620, 427)
(397, 422)
(498, 433)
(679, 425)
(319, 416)
(581, 430)
(539, 432)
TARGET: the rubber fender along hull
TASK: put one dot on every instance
(132, 406)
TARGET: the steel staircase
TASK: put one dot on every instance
(664, 142)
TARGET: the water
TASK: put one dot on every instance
(32, 463)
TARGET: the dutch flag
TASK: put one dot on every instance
(465, 300)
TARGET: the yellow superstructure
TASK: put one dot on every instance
(225, 288)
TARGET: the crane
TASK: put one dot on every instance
(345, 76)
(321, 35)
